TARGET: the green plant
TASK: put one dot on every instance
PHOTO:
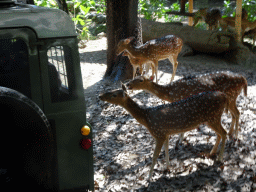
(78, 9)
(152, 9)
(248, 5)
(156, 9)
(101, 6)
(80, 19)
(46, 3)
(201, 25)
(175, 7)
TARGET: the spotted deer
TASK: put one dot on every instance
(154, 50)
(185, 115)
(229, 22)
(227, 82)
(138, 62)
(210, 16)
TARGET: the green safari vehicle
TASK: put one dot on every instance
(43, 143)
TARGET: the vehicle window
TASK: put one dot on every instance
(60, 74)
(14, 65)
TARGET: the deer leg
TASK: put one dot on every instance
(155, 70)
(181, 137)
(173, 60)
(231, 130)
(159, 144)
(237, 115)
(140, 69)
(147, 66)
(166, 148)
(134, 71)
(223, 138)
(221, 134)
(235, 118)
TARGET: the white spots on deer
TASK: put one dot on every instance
(153, 51)
(164, 120)
(229, 83)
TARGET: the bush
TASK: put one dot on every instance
(248, 5)
(79, 11)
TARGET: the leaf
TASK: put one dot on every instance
(77, 4)
(84, 9)
(92, 3)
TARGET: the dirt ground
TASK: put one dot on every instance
(123, 149)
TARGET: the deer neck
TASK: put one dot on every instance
(158, 90)
(134, 51)
(136, 111)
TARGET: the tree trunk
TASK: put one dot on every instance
(121, 23)
(182, 6)
(62, 5)
(31, 2)
(200, 40)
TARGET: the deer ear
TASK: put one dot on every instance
(123, 87)
(151, 78)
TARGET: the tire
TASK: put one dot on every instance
(26, 143)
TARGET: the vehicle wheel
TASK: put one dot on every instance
(26, 143)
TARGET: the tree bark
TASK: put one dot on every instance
(182, 6)
(121, 23)
(62, 5)
(200, 40)
(31, 2)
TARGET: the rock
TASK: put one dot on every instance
(186, 51)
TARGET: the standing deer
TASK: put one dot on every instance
(154, 50)
(229, 22)
(185, 115)
(227, 82)
(138, 62)
(210, 16)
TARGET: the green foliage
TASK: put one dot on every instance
(78, 10)
(201, 25)
(156, 9)
(175, 7)
(46, 3)
(101, 6)
(152, 9)
(248, 5)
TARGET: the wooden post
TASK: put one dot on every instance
(238, 20)
(190, 9)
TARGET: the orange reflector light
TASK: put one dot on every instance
(86, 143)
(85, 130)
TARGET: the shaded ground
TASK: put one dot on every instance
(123, 148)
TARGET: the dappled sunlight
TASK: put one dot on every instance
(123, 148)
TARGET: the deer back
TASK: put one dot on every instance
(185, 114)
